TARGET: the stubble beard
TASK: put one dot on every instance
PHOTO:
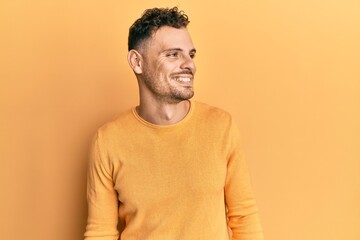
(168, 93)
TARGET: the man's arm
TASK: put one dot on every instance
(101, 196)
(242, 211)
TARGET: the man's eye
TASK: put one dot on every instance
(175, 54)
(192, 55)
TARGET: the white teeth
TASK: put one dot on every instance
(183, 79)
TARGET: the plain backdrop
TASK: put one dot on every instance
(288, 71)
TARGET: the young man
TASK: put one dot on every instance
(170, 168)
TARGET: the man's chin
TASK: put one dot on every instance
(179, 98)
(186, 97)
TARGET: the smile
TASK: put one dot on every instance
(183, 79)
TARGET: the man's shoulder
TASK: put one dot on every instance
(212, 112)
(118, 123)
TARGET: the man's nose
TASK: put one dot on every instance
(188, 63)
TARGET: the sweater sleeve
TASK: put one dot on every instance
(101, 197)
(242, 213)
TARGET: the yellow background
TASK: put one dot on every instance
(288, 71)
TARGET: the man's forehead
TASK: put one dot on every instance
(171, 37)
(168, 30)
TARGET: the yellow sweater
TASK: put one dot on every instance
(186, 181)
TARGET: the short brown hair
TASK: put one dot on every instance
(153, 19)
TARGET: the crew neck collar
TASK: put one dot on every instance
(156, 126)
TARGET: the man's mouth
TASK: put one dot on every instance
(183, 79)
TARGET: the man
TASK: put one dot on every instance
(171, 168)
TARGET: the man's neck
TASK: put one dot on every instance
(163, 113)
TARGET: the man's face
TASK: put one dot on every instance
(168, 66)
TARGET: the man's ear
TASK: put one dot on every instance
(135, 61)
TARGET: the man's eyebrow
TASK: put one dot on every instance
(179, 49)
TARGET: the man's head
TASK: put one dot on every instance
(161, 55)
(151, 21)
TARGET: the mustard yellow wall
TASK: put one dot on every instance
(288, 71)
